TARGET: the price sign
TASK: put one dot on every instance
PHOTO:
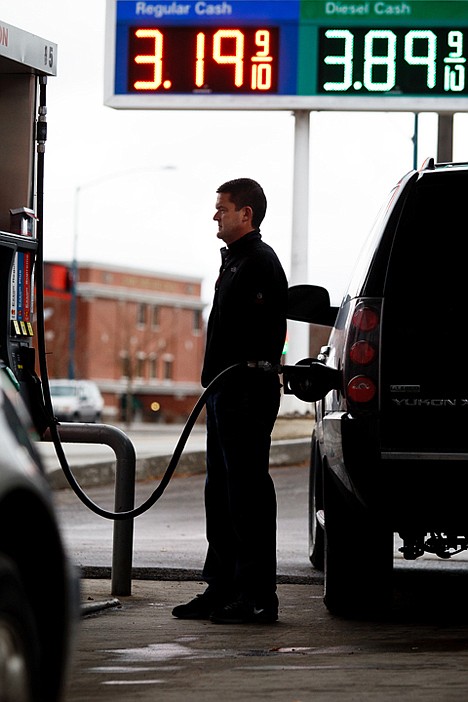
(291, 54)
(196, 54)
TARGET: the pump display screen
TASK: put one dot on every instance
(376, 60)
(203, 59)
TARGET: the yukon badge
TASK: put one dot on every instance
(425, 402)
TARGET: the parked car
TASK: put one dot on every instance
(76, 400)
(390, 447)
(39, 605)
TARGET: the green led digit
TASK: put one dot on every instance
(345, 59)
(428, 59)
(455, 41)
(371, 59)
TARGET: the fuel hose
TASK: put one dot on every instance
(156, 494)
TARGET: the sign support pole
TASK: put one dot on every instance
(445, 138)
(298, 332)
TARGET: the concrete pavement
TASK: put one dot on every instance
(138, 651)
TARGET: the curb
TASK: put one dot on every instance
(287, 452)
(188, 575)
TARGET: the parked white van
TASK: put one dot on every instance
(76, 400)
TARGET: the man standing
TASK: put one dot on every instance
(247, 324)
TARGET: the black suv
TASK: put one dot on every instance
(390, 445)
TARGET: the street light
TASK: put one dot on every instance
(74, 266)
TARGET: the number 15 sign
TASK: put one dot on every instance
(287, 54)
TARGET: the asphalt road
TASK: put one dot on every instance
(171, 535)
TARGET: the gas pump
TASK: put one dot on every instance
(26, 61)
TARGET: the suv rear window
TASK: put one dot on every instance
(368, 252)
(423, 318)
(428, 267)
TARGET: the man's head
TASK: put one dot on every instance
(240, 208)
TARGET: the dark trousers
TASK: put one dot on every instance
(240, 499)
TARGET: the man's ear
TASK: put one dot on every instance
(248, 213)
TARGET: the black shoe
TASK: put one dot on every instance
(198, 608)
(241, 612)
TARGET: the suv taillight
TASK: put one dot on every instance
(361, 360)
(361, 388)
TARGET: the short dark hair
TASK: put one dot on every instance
(245, 192)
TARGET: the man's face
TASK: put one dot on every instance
(232, 223)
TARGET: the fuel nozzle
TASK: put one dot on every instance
(41, 124)
(310, 379)
(266, 366)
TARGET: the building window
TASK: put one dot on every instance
(140, 366)
(155, 317)
(141, 314)
(125, 364)
(168, 368)
(153, 367)
(197, 321)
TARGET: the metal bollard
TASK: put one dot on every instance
(124, 497)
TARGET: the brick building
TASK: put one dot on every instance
(139, 335)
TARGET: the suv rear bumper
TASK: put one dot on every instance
(423, 456)
(426, 491)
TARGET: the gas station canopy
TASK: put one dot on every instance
(23, 52)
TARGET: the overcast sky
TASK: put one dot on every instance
(147, 179)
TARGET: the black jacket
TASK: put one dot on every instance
(248, 318)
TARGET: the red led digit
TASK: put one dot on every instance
(200, 62)
(237, 58)
(155, 59)
(262, 39)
